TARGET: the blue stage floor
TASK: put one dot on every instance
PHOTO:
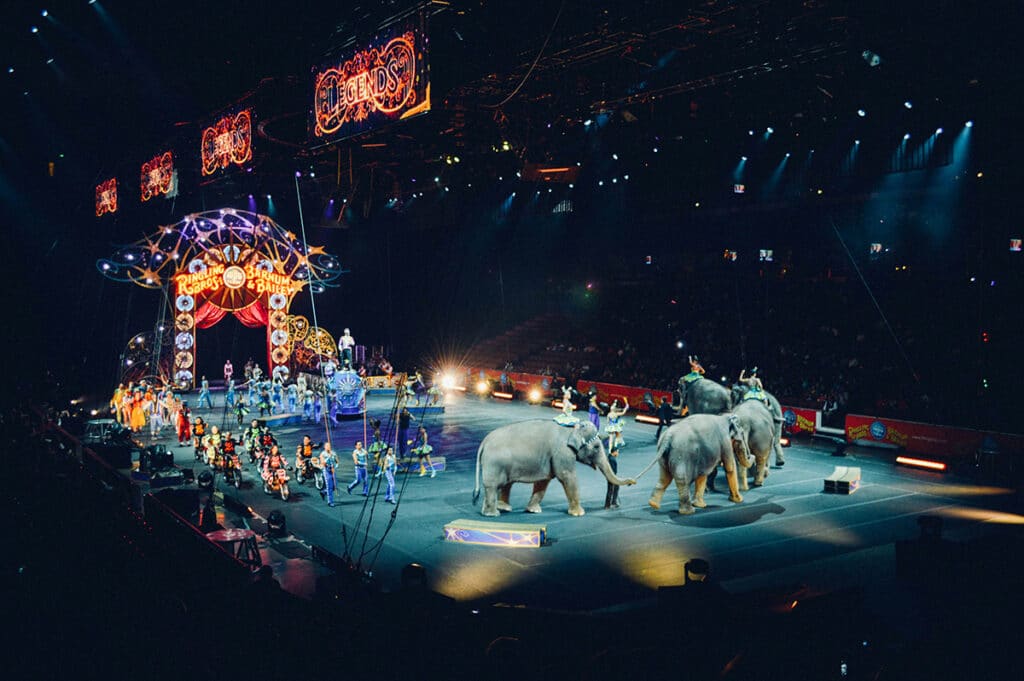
(784, 534)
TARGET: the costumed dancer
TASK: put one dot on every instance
(346, 343)
(332, 406)
(251, 438)
(277, 392)
(229, 371)
(138, 411)
(229, 393)
(204, 393)
(126, 406)
(300, 384)
(614, 427)
(264, 402)
(184, 423)
(115, 403)
(241, 411)
(328, 462)
(375, 449)
(696, 370)
(594, 411)
(390, 465)
(168, 406)
(566, 418)
(252, 390)
(293, 398)
(318, 407)
(755, 387)
(307, 406)
(198, 434)
(359, 459)
(212, 444)
(422, 451)
(156, 419)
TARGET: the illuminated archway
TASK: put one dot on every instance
(220, 262)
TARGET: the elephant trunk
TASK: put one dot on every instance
(602, 465)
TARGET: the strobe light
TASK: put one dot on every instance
(481, 387)
(534, 395)
(447, 381)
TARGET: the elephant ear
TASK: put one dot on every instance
(576, 439)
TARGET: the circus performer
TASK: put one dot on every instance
(346, 343)
(614, 427)
(307, 406)
(318, 407)
(376, 449)
(594, 411)
(252, 390)
(390, 466)
(756, 388)
(301, 384)
(566, 418)
(138, 411)
(332, 406)
(422, 451)
(204, 393)
(229, 394)
(277, 395)
(359, 459)
(168, 405)
(386, 368)
(115, 402)
(293, 397)
(229, 371)
(696, 370)
(184, 423)
(212, 443)
(264, 400)
(156, 418)
(198, 434)
(328, 463)
(247, 369)
(241, 411)
(257, 373)
(126, 406)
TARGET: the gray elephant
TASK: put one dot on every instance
(537, 451)
(760, 438)
(692, 448)
(703, 396)
(739, 395)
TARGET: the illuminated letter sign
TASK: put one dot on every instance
(106, 197)
(227, 141)
(385, 81)
(157, 176)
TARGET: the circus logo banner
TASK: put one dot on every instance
(106, 197)
(384, 80)
(157, 177)
(230, 262)
(227, 142)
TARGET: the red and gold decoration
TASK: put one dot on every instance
(229, 261)
(384, 81)
(227, 142)
(157, 176)
(106, 197)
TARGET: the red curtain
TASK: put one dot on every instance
(253, 316)
(208, 314)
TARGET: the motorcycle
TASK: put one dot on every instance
(276, 482)
(309, 468)
(232, 469)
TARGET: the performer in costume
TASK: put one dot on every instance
(359, 459)
(251, 436)
(390, 465)
(198, 432)
(376, 449)
(229, 393)
(300, 383)
(755, 387)
(422, 451)
(594, 411)
(318, 407)
(293, 398)
(184, 423)
(138, 412)
(277, 391)
(264, 402)
(115, 403)
(229, 371)
(696, 370)
(332, 406)
(251, 390)
(126, 406)
(212, 444)
(241, 411)
(665, 414)
(328, 462)
(566, 418)
(307, 406)
(346, 343)
(614, 427)
(204, 393)
(156, 420)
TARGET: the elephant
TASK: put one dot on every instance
(760, 437)
(704, 396)
(537, 451)
(692, 448)
(775, 409)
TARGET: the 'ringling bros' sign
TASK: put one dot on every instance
(250, 277)
(385, 81)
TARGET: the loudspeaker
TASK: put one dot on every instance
(277, 526)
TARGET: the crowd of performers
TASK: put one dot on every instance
(158, 406)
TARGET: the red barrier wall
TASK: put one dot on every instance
(798, 420)
(925, 438)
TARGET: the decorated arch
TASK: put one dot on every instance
(230, 262)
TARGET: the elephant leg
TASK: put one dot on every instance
(780, 458)
(659, 488)
(490, 501)
(698, 492)
(734, 492)
(539, 488)
(572, 492)
(503, 494)
(683, 487)
(761, 472)
(741, 477)
(711, 479)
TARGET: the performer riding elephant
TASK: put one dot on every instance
(750, 389)
(699, 395)
(692, 448)
(537, 451)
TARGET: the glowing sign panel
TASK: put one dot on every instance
(106, 197)
(226, 142)
(157, 176)
(385, 81)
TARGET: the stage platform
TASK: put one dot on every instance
(789, 532)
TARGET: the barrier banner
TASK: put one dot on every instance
(924, 438)
(606, 392)
(798, 420)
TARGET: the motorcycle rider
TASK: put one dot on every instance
(212, 444)
(304, 458)
(251, 438)
(198, 435)
(273, 462)
(228, 449)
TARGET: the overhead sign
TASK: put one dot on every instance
(157, 176)
(386, 80)
(106, 197)
(227, 142)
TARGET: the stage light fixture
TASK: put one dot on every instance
(625, 177)
(447, 381)
(968, 124)
(481, 387)
(938, 131)
(503, 395)
(534, 395)
(655, 150)
(679, 345)
(906, 136)
(44, 13)
(600, 183)
(614, 180)
(571, 185)
(35, 29)
(615, 157)
(586, 123)
(787, 154)
(862, 113)
(50, 60)
(856, 141)
(908, 104)
(750, 132)
(770, 130)
(10, 69)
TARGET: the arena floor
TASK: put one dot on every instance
(788, 534)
